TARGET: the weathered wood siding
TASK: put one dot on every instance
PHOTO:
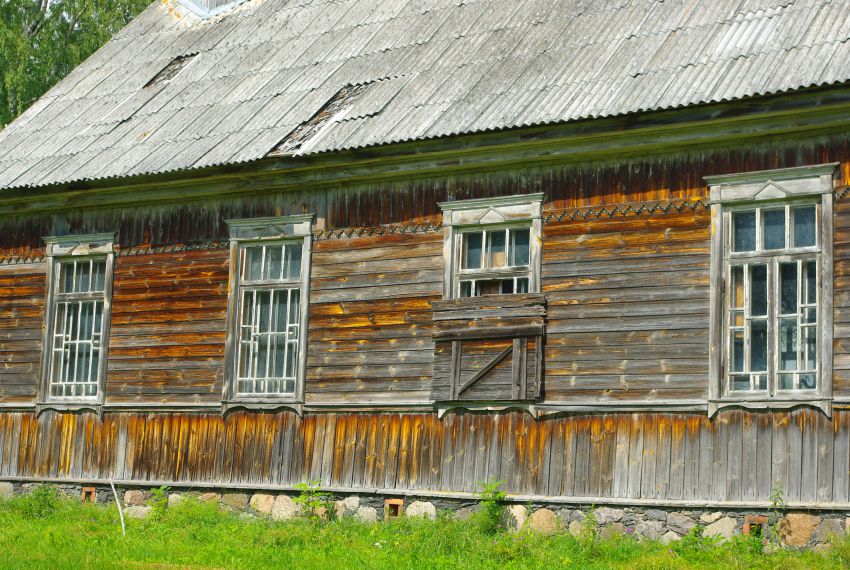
(22, 293)
(841, 298)
(627, 307)
(168, 327)
(370, 318)
(738, 457)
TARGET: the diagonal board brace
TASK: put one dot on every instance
(484, 370)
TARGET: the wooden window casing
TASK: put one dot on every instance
(765, 285)
(266, 345)
(77, 321)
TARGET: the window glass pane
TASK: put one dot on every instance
(761, 382)
(788, 344)
(496, 248)
(810, 340)
(786, 381)
(808, 381)
(811, 270)
(293, 261)
(294, 305)
(810, 315)
(804, 226)
(758, 290)
(773, 229)
(788, 287)
(744, 231)
(488, 287)
(741, 382)
(758, 345)
(471, 251)
(522, 286)
(737, 351)
(738, 287)
(253, 267)
(466, 288)
(520, 247)
(274, 263)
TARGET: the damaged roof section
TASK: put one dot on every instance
(282, 76)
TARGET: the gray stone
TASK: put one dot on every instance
(7, 490)
(209, 497)
(723, 528)
(339, 509)
(605, 515)
(421, 509)
(656, 515)
(262, 503)
(175, 499)
(135, 498)
(515, 516)
(575, 528)
(829, 529)
(649, 529)
(669, 537)
(544, 521)
(351, 503)
(822, 547)
(284, 508)
(578, 516)
(680, 523)
(612, 530)
(237, 501)
(708, 518)
(138, 512)
(367, 514)
(464, 513)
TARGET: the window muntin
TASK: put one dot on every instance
(269, 317)
(772, 300)
(76, 342)
(494, 261)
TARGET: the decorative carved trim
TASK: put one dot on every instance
(173, 248)
(619, 211)
(387, 230)
(22, 259)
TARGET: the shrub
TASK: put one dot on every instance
(312, 500)
(492, 506)
(158, 502)
(42, 502)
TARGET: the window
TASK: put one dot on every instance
(76, 331)
(269, 318)
(494, 261)
(773, 299)
(268, 309)
(492, 246)
(771, 288)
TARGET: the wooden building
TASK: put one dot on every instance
(598, 250)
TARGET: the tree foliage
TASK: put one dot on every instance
(41, 41)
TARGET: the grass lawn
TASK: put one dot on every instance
(67, 534)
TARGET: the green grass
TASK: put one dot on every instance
(66, 534)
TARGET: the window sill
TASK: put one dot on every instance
(761, 403)
(264, 404)
(69, 406)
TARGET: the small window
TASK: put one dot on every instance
(78, 317)
(494, 261)
(493, 246)
(267, 310)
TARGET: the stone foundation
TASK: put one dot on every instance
(794, 529)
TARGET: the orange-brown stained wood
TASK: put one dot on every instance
(663, 456)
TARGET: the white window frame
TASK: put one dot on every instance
(266, 231)
(764, 190)
(490, 214)
(77, 248)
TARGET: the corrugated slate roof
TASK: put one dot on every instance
(247, 78)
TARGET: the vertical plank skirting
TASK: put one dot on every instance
(738, 456)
